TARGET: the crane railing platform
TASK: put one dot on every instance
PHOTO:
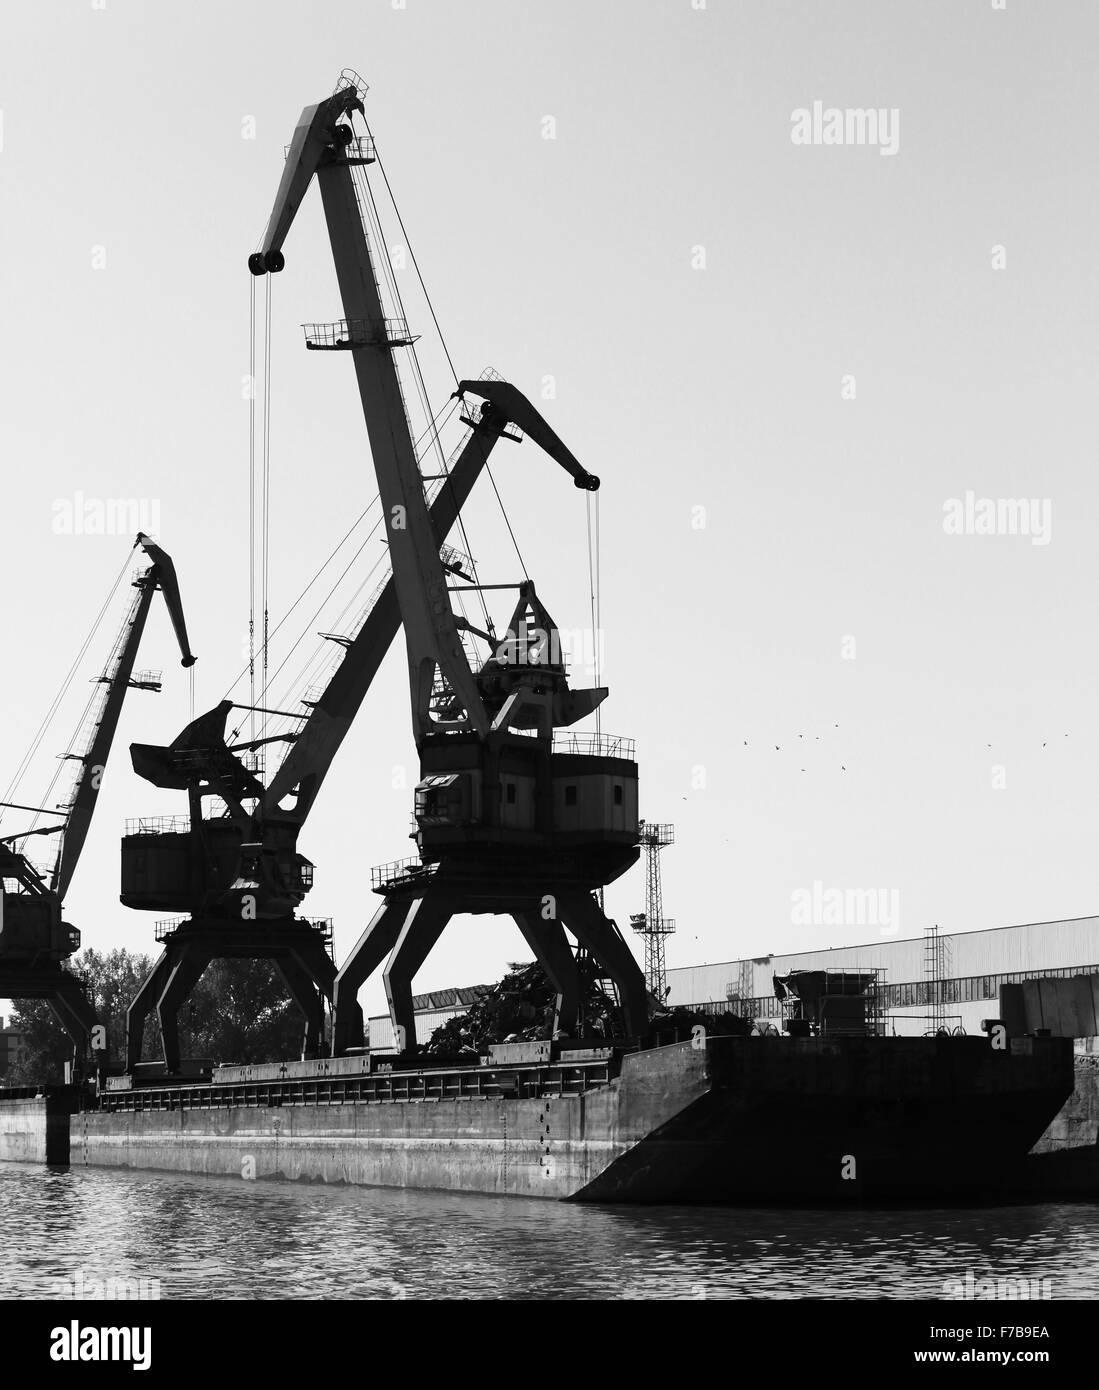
(471, 415)
(347, 334)
(664, 927)
(325, 930)
(158, 825)
(594, 745)
(398, 872)
(146, 680)
(359, 150)
(166, 926)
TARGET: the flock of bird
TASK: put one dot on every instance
(816, 739)
(843, 766)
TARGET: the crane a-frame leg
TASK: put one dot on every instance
(406, 929)
(62, 991)
(142, 1005)
(305, 994)
(598, 934)
(366, 955)
(72, 1008)
(184, 975)
(547, 939)
(294, 947)
(423, 925)
(314, 971)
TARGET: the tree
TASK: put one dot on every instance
(112, 979)
(240, 1011)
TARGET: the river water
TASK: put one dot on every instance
(225, 1238)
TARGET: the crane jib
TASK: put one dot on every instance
(116, 681)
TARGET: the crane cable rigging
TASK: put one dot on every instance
(596, 601)
(252, 498)
(266, 567)
(439, 332)
(593, 536)
(259, 509)
(369, 211)
(446, 410)
(51, 712)
(302, 679)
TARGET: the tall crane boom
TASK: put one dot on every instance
(35, 941)
(307, 763)
(117, 679)
(505, 822)
(432, 632)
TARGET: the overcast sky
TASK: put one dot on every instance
(786, 359)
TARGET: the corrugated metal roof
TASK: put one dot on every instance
(448, 998)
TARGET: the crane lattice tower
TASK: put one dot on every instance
(652, 924)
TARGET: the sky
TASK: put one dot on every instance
(791, 359)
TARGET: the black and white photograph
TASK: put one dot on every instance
(550, 587)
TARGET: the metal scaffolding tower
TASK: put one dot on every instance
(652, 924)
(936, 967)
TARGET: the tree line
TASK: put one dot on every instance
(240, 1011)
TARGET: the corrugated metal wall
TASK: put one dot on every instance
(381, 1029)
(1034, 947)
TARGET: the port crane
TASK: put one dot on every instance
(506, 822)
(237, 877)
(35, 941)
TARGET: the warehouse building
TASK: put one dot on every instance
(13, 1048)
(971, 967)
(432, 1010)
(964, 971)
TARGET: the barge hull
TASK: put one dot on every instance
(733, 1120)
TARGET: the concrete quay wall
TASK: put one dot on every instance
(35, 1129)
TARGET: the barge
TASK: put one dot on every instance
(713, 1120)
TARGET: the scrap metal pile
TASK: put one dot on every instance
(520, 1008)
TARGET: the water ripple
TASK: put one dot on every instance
(224, 1238)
